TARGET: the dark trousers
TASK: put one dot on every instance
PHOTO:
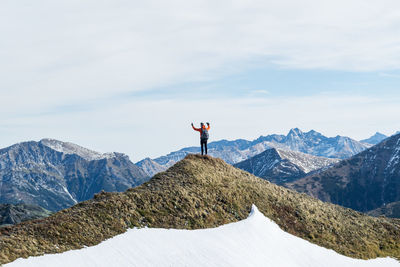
(203, 143)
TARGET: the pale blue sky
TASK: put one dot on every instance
(272, 81)
(132, 76)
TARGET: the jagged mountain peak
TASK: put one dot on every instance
(313, 132)
(71, 148)
(380, 134)
(295, 132)
(56, 175)
(281, 166)
(375, 139)
(298, 132)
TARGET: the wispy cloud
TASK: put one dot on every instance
(391, 75)
(70, 50)
(259, 92)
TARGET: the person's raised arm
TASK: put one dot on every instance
(208, 126)
(194, 128)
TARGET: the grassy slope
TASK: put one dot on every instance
(12, 214)
(201, 192)
(390, 210)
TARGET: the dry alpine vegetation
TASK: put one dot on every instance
(200, 192)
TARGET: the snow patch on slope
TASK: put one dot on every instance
(394, 159)
(256, 241)
(69, 194)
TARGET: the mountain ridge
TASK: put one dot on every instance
(363, 182)
(150, 167)
(280, 166)
(202, 192)
(391, 210)
(375, 139)
(71, 148)
(35, 173)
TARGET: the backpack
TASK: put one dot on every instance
(204, 134)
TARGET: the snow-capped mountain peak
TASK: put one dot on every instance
(282, 166)
(295, 131)
(56, 175)
(295, 134)
(305, 161)
(71, 148)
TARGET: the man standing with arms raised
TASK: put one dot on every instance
(203, 136)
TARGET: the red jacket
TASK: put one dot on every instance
(200, 129)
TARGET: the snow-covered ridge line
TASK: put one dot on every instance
(71, 148)
(306, 162)
(255, 241)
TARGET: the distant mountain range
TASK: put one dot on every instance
(233, 152)
(316, 144)
(56, 175)
(367, 181)
(280, 166)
